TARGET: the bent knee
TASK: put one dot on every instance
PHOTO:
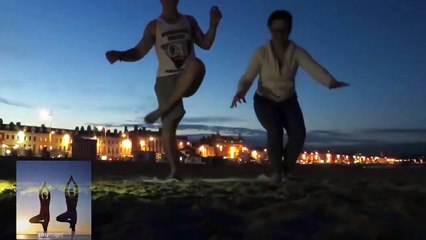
(198, 63)
(197, 66)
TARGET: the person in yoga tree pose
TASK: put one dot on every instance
(180, 72)
(71, 198)
(44, 216)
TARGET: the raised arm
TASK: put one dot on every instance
(76, 187)
(205, 41)
(40, 192)
(67, 186)
(139, 51)
(317, 72)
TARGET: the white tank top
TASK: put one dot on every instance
(174, 46)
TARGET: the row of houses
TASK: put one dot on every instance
(23, 140)
(17, 139)
(143, 144)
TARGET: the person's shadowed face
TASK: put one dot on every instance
(280, 30)
(169, 3)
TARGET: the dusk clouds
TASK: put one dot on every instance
(12, 102)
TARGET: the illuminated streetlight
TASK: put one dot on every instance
(100, 129)
(67, 138)
(21, 136)
(142, 144)
(328, 157)
(254, 154)
(127, 143)
(45, 115)
(232, 152)
(202, 150)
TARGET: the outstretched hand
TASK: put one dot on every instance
(112, 56)
(338, 84)
(238, 98)
(215, 15)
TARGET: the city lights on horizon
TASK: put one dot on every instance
(114, 145)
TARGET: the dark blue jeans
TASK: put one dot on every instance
(274, 117)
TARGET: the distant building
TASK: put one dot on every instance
(84, 148)
(143, 140)
(22, 140)
(146, 145)
(217, 145)
(109, 145)
(259, 154)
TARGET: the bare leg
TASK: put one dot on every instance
(45, 224)
(170, 145)
(189, 82)
(42, 220)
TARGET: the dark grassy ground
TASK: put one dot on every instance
(325, 202)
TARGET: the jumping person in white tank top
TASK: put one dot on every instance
(174, 45)
(179, 74)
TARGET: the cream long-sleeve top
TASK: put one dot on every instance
(277, 83)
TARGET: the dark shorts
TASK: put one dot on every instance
(164, 87)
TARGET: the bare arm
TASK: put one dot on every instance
(139, 51)
(76, 187)
(39, 194)
(41, 190)
(205, 41)
(67, 186)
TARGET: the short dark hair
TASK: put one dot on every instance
(281, 14)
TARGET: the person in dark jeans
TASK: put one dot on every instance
(44, 216)
(71, 198)
(274, 116)
(275, 100)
